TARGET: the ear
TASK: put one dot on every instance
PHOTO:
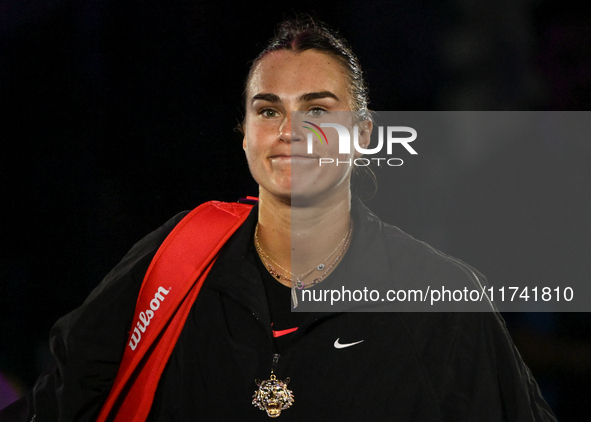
(365, 128)
(244, 143)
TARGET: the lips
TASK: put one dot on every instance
(296, 156)
(289, 160)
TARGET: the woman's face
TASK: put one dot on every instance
(283, 82)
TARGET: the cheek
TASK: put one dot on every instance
(251, 153)
(258, 136)
(250, 136)
(253, 162)
(255, 152)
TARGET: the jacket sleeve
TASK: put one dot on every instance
(486, 378)
(89, 342)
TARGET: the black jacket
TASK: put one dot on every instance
(410, 366)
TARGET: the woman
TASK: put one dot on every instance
(305, 232)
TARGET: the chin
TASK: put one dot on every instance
(307, 198)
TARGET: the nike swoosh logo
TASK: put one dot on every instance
(338, 345)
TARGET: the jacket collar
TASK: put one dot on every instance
(236, 274)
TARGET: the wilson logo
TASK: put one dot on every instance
(145, 317)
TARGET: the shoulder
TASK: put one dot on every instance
(424, 260)
(411, 262)
(110, 306)
(134, 264)
(88, 343)
(473, 367)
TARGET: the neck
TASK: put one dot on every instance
(299, 238)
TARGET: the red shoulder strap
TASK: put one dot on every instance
(169, 289)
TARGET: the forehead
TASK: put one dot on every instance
(286, 73)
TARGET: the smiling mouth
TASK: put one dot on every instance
(289, 157)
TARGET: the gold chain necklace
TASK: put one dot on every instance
(273, 396)
(296, 281)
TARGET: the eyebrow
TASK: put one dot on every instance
(272, 98)
(318, 95)
(309, 96)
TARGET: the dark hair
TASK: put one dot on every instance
(303, 34)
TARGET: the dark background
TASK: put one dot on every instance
(116, 115)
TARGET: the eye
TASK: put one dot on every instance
(268, 112)
(316, 112)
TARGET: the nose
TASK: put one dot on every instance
(289, 130)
